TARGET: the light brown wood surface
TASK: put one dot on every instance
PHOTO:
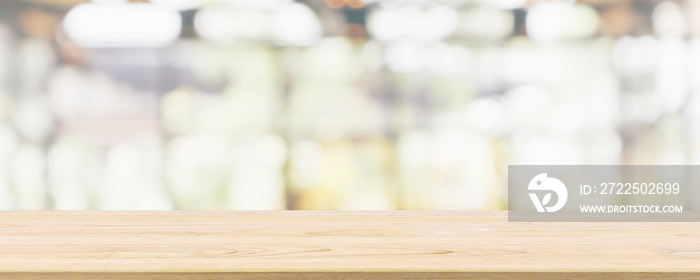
(336, 245)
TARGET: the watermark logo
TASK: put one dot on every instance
(603, 193)
(543, 183)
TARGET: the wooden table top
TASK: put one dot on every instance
(336, 245)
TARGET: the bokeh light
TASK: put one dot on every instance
(333, 104)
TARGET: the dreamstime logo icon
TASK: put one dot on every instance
(542, 183)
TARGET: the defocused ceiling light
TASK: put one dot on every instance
(669, 20)
(485, 22)
(286, 24)
(412, 22)
(122, 25)
(555, 21)
(227, 23)
(296, 25)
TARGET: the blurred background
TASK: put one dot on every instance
(333, 104)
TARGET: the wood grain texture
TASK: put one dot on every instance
(336, 245)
